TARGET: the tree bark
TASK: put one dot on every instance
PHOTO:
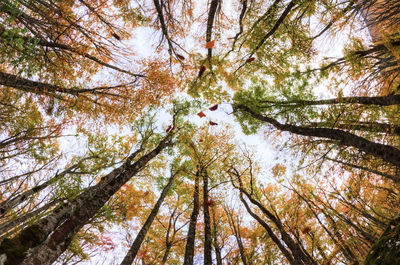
(130, 256)
(207, 225)
(271, 234)
(236, 232)
(68, 219)
(377, 101)
(189, 250)
(385, 152)
(217, 248)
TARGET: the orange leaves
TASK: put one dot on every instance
(210, 44)
(201, 114)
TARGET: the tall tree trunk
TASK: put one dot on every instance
(166, 253)
(189, 250)
(68, 219)
(335, 236)
(295, 248)
(271, 234)
(386, 249)
(130, 256)
(207, 225)
(236, 233)
(377, 101)
(385, 152)
(217, 248)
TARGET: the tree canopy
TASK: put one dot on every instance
(200, 132)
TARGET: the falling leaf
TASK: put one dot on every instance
(215, 107)
(180, 57)
(201, 114)
(116, 36)
(169, 128)
(213, 123)
(202, 69)
(210, 44)
(250, 60)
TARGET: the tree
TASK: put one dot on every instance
(92, 165)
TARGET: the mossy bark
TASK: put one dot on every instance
(386, 251)
(16, 247)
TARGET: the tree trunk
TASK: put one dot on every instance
(386, 251)
(385, 152)
(271, 234)
(236, 233)
(295, 248)
(217, 248)
(68, 219)
(189, 251)
(207, 225)
(377, 101)
(130, 256)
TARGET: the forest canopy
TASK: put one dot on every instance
(200, 132)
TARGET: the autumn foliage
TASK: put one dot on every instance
(188, 132)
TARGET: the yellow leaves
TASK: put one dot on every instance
(278, 170)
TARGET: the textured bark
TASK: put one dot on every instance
(42, 88)
(189, 250)
(375, 127)
(378, 101)
(299, 255)
(68, 219)
(271, 234)
(130, 256)
(5, 227)
(207, 223)
(210, 23)
(296, 249)
(385, 152)
(335, 236)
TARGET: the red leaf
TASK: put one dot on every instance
(180, 57)
(201, 114)
(116, 36)
(201, 140)
(210, 44)
(169, 128)
(250, 60)
(213, 123)
(215, 107)
(202, 70)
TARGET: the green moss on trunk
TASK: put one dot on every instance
(15, 248)
(386, 251)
